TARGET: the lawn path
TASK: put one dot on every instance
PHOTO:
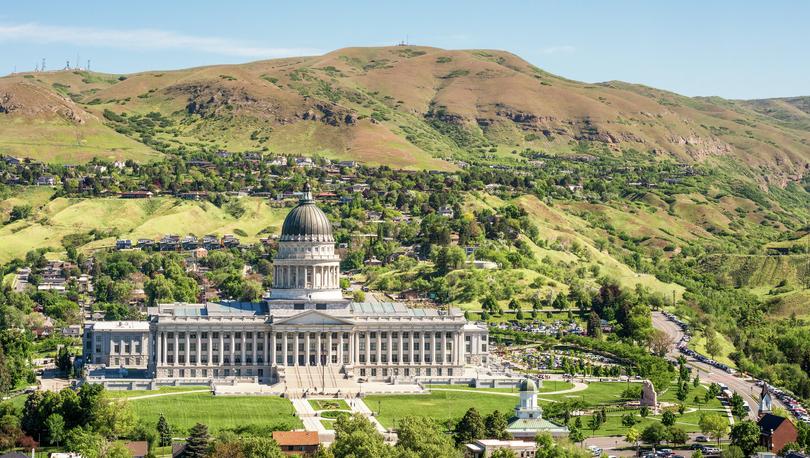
(578, 386)
(157, 395)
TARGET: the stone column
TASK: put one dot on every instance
(233, 347)
(210, 347)
(284, 349)
(244, 350)
(379, 347)
(295, 349)
(306, 349)
(159, 349)
(432, 347)
(221, 347)
(329, 348)
(318, 349)
(368, 347)
(422, 351)
(340, 349)
(390, 347)
(164, 351)
(268, 361)
(176, 361)
(401, 355)
(255, 344)
(444, 347)
(199, 348)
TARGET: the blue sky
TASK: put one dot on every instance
(735, 49)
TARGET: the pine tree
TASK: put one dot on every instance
(197, 442)
(470, 428)
(164, 431)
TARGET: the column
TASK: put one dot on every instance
(379, 347)
(432, 347)
(422, 342)
(318, 350)
(390, 347)
(295, 349)
(268, 349)
(221, 347)
(306, 348)
(255, 344)
(368, 347)
(243, 352)
(199, 348)
(340, 349)
(284, 349)
(165, 346)
(159, 349)
(329, 349)
(401, 354)
(176, 348)
(233, 347)
(210, 347)
(444, 347)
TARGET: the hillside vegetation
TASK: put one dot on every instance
(407, 107)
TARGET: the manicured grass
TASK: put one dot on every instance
(218, 412)
(329, 404)
(333, 414)
(121, 394)
(548, 386)
(439, 405)
(698, 343)
(328, 424)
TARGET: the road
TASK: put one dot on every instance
(747, 389)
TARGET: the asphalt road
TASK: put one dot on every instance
(745, 388)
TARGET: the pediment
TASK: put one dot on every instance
(313, 318)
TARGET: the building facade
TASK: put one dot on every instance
(304, 323)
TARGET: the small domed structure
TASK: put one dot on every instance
(527, 385)
(306, 222)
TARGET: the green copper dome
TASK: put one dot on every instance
(306, 222)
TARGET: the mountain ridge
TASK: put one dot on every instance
(404, 106)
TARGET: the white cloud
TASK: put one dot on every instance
(557, 49)
(141, 40)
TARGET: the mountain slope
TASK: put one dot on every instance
(415, 106)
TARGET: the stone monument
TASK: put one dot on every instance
(649, 397)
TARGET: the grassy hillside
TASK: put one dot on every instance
(408, 107)
(55, 219)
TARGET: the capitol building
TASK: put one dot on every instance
(304, 334)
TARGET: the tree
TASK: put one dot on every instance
(495, 425)
(356, 437)
(668, 418)
(644, 411)
(745, 434)
(197, 442)
(697, 454)
(633, 436)
(164, 432)
(733, 452)
(712, 343)
(661, 342)
(654, 434)
(575, 435)
(20, 212)
(594, 326)
(738, 408)
(629, 420)
(594, 423)
(471, 427)
(358, 296)
(714, 426)
(56, 428)
(63, 359)
(677, 435)
(424, 437)
(503, 453)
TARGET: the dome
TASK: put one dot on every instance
(527, 385)
(306, 222)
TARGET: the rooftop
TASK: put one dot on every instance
(120, 326)
(296, 437)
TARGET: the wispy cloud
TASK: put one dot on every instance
(557, 49)
(142, 40)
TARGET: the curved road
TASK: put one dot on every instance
(745, 388)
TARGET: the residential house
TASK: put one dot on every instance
(775, 432)
(295, 443)
(46, 180)
(136, 194)
(123, 244)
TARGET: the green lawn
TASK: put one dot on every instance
(548, 386)
(218, 412)
(439, 405)
(162, 390)
(329, 404)
(328, 424)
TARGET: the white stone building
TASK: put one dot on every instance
(305, 323)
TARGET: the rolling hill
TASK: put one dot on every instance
(408, 107)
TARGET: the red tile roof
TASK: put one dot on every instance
(296, 437)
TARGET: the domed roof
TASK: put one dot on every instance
(527, 385)
(306, 222)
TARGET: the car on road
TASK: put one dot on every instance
(701, 438)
